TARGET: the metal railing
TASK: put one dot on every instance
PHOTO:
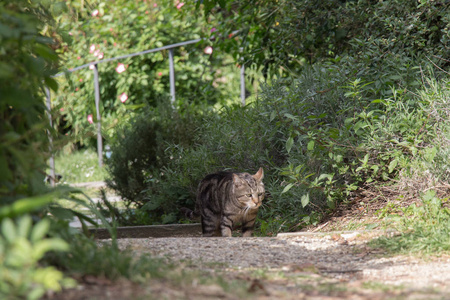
(94, 64)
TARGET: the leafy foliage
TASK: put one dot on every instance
(424, 228)
(139, 151)
(123, 27)
(28, 233)
(22, 246)
(379, 34)
(24, 37)
(318, 139)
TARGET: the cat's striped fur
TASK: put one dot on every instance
(226, 199)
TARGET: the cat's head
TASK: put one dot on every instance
(249, 189)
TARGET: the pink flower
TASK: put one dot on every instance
(92, 48)
(213, 29)
(155, 5)
(180, 5)
(96, 52)
(100, 55)
(120, 68)
(111, 29)
(159, 74)
(92, 67)
(78, 57)
(208, 50)
(70, 33)
(146, 12)
(81, 80)
(123, 97)
(61, 109)
(95, 13)
(90, 119)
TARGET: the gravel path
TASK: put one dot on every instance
(342, 257)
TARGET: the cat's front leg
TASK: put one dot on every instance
(247, 227)
(226, 226)
(247, 233)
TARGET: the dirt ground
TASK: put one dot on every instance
(323, 262)
(336, 265)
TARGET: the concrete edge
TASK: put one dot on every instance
(151, 231)
(309, 233)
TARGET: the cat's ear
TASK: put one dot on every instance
(237, 180)
(259, 175)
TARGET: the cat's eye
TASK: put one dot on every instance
(249, 195)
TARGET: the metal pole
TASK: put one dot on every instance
(52, 158)
(243, 84)
(99, 124)
(172, 77)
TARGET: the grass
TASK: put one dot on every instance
(79, 166)
(424, 228)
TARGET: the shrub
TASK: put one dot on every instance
(138, 152)
(316, 147)
(319, 138)
(22, 247)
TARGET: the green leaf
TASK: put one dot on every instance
(287, 188)
(392, 165)
(24, 226)
(273, 114)
(310, 145)
(327, 176)
(305, 199)
(43, 246)
(289, 144)
(287, 115)
(6, 70)
(21, 253)
(61, 213)
(40, 230)
(365, 159)
(357, 126)
(9, 230)
(26, 205)
(51, 83)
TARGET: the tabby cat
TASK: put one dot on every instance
(226, 199)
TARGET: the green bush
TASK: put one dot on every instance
(139, 150)
(379, 36)
(316, 147)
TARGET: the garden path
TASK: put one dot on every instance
(337, 265)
